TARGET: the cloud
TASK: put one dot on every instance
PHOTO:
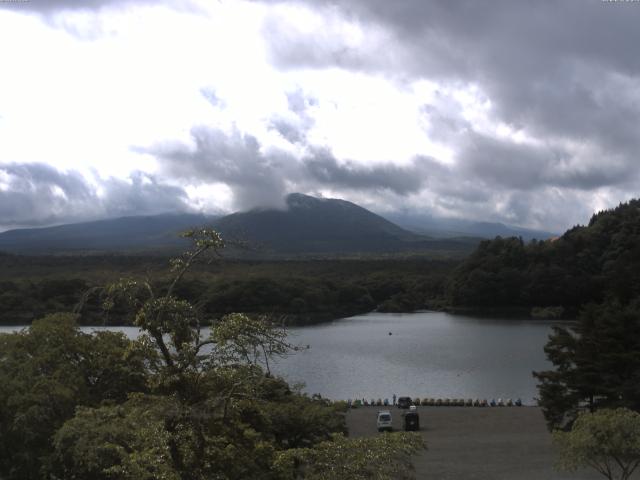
(561, 71)
(212, 97)
(495, 112)
(141, 194)
(505, 164)
(36, 194)
(504, 34)
(496, 179)
(324, 169)
(235, 159)
(295, 126)
(85, 19)
(49, 6)
(289, 130)
(260, 178)
(321, 39)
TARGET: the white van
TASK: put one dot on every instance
(384, 420)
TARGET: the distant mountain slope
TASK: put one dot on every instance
(156, 232)
(307, 226)
(312, 225)
(453, 227)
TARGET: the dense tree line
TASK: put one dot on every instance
(298, 292)
(587, 264)
(173, 403)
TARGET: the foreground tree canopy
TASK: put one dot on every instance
(607, 441)
(174, 403)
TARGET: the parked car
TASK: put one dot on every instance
(384, 420)
(404, 402)
(411, 421)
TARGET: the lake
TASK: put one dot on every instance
(428, 354)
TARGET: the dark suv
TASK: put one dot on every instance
(404, 402)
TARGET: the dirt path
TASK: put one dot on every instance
(499, 443)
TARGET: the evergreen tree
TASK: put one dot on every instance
(597, 364)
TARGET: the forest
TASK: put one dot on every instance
(588, 264)
(547, 279)
(297, 292)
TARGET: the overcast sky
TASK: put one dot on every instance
(515, 111)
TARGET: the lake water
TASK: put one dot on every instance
(428, 354)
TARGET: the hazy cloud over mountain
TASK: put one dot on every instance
(36, 194)
(323, 168)
(522, 112)
(259, 178)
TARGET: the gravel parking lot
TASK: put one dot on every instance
(492, 443)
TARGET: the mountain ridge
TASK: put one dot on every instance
(148, 232)
(314, 226)
(441, 227)
(307, 226)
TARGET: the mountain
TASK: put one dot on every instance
(310, 225)
(139, 233)
(307, 226)
(454, 227)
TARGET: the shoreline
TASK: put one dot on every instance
(310, 320)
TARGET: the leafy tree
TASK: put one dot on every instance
(206, 377)
(213, 410)
(607, 441)
(45, 372)
(126, 441)
(297, 421)
(385, 457)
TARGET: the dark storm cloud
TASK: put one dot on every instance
(524, 37)
(38, 194)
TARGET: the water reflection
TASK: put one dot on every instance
(428, 354)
